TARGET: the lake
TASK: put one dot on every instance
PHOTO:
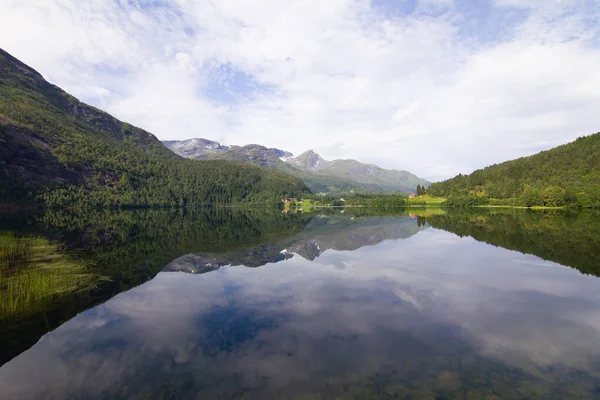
(342, 303)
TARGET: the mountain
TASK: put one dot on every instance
(61, 152)
(566, 175)
(307, 161)
(204, 149)
(372, 176)
(195, 148)
(252, 154)
(282, 154)
(319, 175)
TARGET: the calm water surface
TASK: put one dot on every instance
(256, 305)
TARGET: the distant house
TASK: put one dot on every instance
(412, 196)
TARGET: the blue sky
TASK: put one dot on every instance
(437, 87)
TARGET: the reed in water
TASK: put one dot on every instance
(34, 272)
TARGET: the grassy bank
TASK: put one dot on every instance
(520, 207)
(433, 201)
(425, 201)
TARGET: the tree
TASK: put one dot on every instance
(566, 175)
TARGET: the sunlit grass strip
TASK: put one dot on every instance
(33, 273)
(427, 200)
(427, 211)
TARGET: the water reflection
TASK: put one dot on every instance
(319, 234)
(334, 310)
(567, 237)
(125, 249)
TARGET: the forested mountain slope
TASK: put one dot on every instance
(62, 152)
(320, 175)
(371, 176)
(271, 158)
(566, 175)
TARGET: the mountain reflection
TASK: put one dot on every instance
(128, 248)
(359, 303)
(432, 316)
(321, 233)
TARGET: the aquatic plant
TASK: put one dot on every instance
(34, 272)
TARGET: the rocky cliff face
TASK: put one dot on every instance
(254, 154)
(204, 149)
(282, 154)
(196, 148)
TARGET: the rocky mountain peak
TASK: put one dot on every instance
(309, 160)
(195, 148)
(322, 175)
(282, 154)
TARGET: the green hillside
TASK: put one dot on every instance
(565, 175)
(372, 177)
(321, 176)
(62, 152)
(316, 182)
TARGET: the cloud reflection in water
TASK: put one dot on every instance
(431, 314)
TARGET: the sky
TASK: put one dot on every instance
(436, 87)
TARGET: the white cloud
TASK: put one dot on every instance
(410, 91)
(436, 3)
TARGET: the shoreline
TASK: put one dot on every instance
(498, 206)
(523, 207)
